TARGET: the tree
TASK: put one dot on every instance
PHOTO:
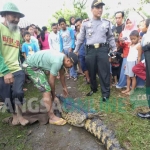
(79, 7)
(78, 10)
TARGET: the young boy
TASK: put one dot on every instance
(116, 63)
(67, 43)
(28, 48)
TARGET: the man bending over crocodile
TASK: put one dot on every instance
(54, 62)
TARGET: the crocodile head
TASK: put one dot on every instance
(73, 113)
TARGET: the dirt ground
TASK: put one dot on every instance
(51, 137)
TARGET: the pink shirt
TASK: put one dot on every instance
(45, 43)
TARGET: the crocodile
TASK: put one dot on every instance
(75, 115)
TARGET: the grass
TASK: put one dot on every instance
(120, 110)
(132, 132)
(14, 138)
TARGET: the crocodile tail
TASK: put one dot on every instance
(98, 129)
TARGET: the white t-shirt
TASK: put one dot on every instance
(53, 40)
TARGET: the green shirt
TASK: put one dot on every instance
(50, 60)
(9, 50)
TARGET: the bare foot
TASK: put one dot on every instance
(130, 92)
(23, 121)
(127, 90)
(15, 120)
(24, 89)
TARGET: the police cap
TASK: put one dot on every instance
(97, 3)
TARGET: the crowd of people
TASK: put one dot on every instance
(118, 54)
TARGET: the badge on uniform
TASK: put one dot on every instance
(89, 24)
(96, 45)
(89, 28)
(89, 32)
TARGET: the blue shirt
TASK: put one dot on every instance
(67, 39)
(29, 48)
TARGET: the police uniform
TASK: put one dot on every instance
(99, 37)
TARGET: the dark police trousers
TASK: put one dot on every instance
(97, 61)
(13, 94)
(147, 61)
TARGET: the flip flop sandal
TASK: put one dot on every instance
(60, 122)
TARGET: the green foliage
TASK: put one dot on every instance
(146, 14)
(79, 7)
(139, 9)
(120, 116)
(77, 11)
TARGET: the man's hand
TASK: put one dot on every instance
(115, 50)
(56, 100)
(9, 78)
(65, 91)
(76, 53)
(110, 59)
(70, 49)
(121, 40)
(122, 55)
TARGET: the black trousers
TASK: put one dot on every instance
(97, 61)
(147, 61)
(13, 94)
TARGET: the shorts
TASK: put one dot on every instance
(13, 93)
(115, 71)
(38, 78)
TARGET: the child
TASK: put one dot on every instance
(140, 68)
(67, 43)
(28, 48)
(132, 59)
(116, 63)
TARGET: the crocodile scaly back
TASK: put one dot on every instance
(77, 116)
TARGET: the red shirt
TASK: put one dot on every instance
(125, 45)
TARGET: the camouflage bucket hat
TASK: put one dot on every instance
(10, 7)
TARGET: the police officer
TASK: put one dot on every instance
(99, 37)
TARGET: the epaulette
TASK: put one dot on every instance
(106, 20)
(85, 20)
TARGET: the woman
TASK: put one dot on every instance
(72, 22)
(44, 39)
(124, 40)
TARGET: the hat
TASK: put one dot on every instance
(10, 7)
(97, 3)
(74, 59)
